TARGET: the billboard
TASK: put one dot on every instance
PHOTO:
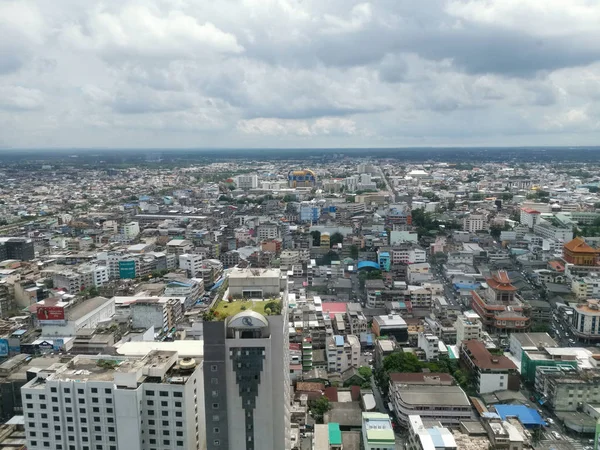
(49, 315)
(3, 347)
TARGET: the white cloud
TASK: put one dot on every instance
(147, 73)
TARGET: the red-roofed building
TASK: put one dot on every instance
(529, 217)
(334, 308)
(579, 253)
(492, 372)
(500, 308)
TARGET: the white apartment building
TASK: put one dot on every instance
(407, 255)
(131, 229)
(468, 327)
(529, 217)
(548, 231)
(191, 263)
(342, 353)
(246, 181)
(430, 344)
(289, 258)
(474, 222)
(247, 379)
(116, 403)
(86, 314)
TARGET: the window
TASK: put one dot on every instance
(165, 432)
(150, 393)
(84, 438)
(84, 429)
(178, 414)
(67, 390)
(94, 399)
(179, 433)
(164, 403)
(165, 423)
(166, 442)
(111, 429)
(107, 391)
(96, 419)
(216, 442)
(177, 394)
(215, 406)
(152, 431)
(94, 390)
(97, 428)
(165, 413)
(180, 443)
(55, 409)
(53, 389)
(214, 368)
(28, 396)
(109, 410)
(82, 410)
(150, 412)
(216, 430)
(178, 424)
(214, 381)
(95, 409)
(109, 400)
(81, 401)
(80, 391)
(30, 415)
(110, 419)
(216, 418)
(69, 409)
(164, 394)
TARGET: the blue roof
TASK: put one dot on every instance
(339, 341)
(384, 254)
(19, 332)
(466, 285)
(217, 284)
(179, 283)
(370, 264)
(529, 417)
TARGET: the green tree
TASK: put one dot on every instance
(402, 362)
(365, 275)
(336, 238)
(316, 238)
(274, 307)
(477, 196)
(354, 251)
(451, 205)
(289, 198)
(365, 372)
(319, 408)
(507, 196)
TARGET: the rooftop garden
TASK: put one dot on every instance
(224, 308)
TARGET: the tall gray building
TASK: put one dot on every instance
(247, 384)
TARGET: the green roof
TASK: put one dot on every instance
(335, 435)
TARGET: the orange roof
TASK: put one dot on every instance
(556, 265)
(578, 245)
(500, 281)
(530, 211)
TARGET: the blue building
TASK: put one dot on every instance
(309, 212)
(384, 260)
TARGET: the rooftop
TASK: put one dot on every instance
(414, 394)
(483, 359)
(378, 427)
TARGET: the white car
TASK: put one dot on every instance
(550, 421)
(556, 435)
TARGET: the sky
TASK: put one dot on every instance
(298, 73)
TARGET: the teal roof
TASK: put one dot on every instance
(335, 435)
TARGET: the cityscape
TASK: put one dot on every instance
(185, 300)
(300, 225)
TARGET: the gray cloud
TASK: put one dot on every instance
(290, 73)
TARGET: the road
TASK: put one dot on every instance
(387, 184)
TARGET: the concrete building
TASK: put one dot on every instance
(256, 283)
(116, 403)
(247, 382)
(62, 319)
(520, 342)
(432, 398)
(431, 437)
(529, 217)
(246, 181)
(160, 313)
(474, 222)
(548, 231)
(131, 229)
(309, 212)
(191, 290)
(492, 372)
(392, 326)
(179, 247)
(468, 327)
(586, 321)
(191, 263)
(342, 352)
(357, 322)
(430, 344)
(377, 431)
(20, 249)
(267, 231)
(567, 389)
(327, 437)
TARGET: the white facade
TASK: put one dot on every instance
(529, 217)
(467, 329)
(342, 353)
(87, 314)
(191, 263)
(429, 343)
(131, 229)
(267, 231)
(474, 223)
(118, 404)
(492, 382)
(246, 181)
(422, 438)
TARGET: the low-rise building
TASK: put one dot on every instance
(342, 352)
(492, 372)
(377, 431)
(431, 436)
(438, 400)
(392, 326)
(468, 326)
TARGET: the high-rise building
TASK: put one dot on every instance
(247, 401)
(17, 248)
(116, 403)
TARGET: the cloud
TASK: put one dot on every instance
(18, 98)
(146, 73)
